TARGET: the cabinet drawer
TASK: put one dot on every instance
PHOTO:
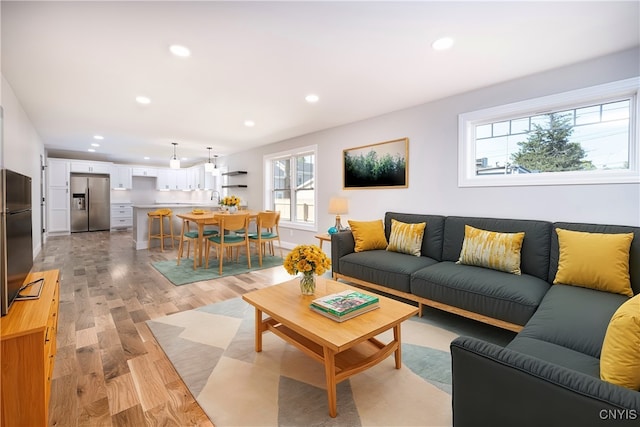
(121, 212)
(121, 222)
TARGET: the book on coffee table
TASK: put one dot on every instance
(346, 316)
(343, 303)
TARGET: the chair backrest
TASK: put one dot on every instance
(268, 219)
(232, 222)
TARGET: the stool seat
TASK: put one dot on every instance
(160, 214)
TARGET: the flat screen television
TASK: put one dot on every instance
(16, 249)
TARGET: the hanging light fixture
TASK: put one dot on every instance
(215, 171)
(208, 167)
(174, 163)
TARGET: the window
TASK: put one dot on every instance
(290, 186)
(585, 136)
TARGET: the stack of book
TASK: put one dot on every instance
(344, 305)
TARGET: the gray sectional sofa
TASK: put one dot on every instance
(550, 373)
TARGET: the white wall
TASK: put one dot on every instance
(22, 148)
(433, 145)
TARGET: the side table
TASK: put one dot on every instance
(325, 237)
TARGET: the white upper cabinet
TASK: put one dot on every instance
(121, 177)
(58, 173)
(91, 167)
(172, 179)
(144, 171)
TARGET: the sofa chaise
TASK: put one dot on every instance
(549, 374)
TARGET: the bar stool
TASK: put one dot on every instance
(161, 214)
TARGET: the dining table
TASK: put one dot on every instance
(208, 218)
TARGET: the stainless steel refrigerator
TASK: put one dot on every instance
(90, 203)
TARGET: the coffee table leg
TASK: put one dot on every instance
(398, 352)
(258, 330)
(330, 374)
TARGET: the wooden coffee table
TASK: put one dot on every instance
(345, 348)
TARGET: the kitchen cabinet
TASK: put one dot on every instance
(91, 167)
(28, 353)
(229, 184)
(58, 175)
(164, 181)
(199, 179)
(58, 199)
(143, 171)
(172, 179)
(121, 177)
(181, 179)
(121, 215)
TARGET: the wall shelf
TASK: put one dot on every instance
(235, 173)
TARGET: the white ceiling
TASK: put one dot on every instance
(76, 67)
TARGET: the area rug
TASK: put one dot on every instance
(184, 273)
(212, 349)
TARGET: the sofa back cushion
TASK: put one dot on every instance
(634, 251)
(433, 232)
(534, 254)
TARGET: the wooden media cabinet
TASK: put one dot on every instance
(28, 349)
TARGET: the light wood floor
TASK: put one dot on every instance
(109, 370)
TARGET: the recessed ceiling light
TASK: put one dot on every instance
(95, 144)
(249, 123)
(312, 98)
(146, 158)
(180, 51)
(443, 43)
(98, 137)
(91, 150)
(142, 100)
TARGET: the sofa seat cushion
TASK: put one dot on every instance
(484, 291)
(390, 269)
(574, 317)
(557, 354)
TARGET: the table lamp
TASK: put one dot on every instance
(338, 206)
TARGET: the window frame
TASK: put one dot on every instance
(268, 183)
(600, 94)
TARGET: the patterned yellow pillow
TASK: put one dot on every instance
(368, 235)
(406, 238)
(490, 249)
(620, 358)
(594, 260)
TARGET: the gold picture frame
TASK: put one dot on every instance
(381, 165)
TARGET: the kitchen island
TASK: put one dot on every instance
(141, 221)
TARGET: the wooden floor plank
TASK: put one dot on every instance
(109, 370)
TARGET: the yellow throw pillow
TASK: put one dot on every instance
(406, 238)
(368, 235)
(594, 260)
(620, 357)
(490, 249)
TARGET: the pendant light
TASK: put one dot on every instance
(174, 163)
(215, 171)
(208, 167)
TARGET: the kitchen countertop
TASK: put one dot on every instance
(176, 205)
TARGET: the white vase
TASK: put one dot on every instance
(233, 209)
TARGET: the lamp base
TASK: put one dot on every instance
(338, 225)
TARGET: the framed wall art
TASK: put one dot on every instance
(381, 165)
